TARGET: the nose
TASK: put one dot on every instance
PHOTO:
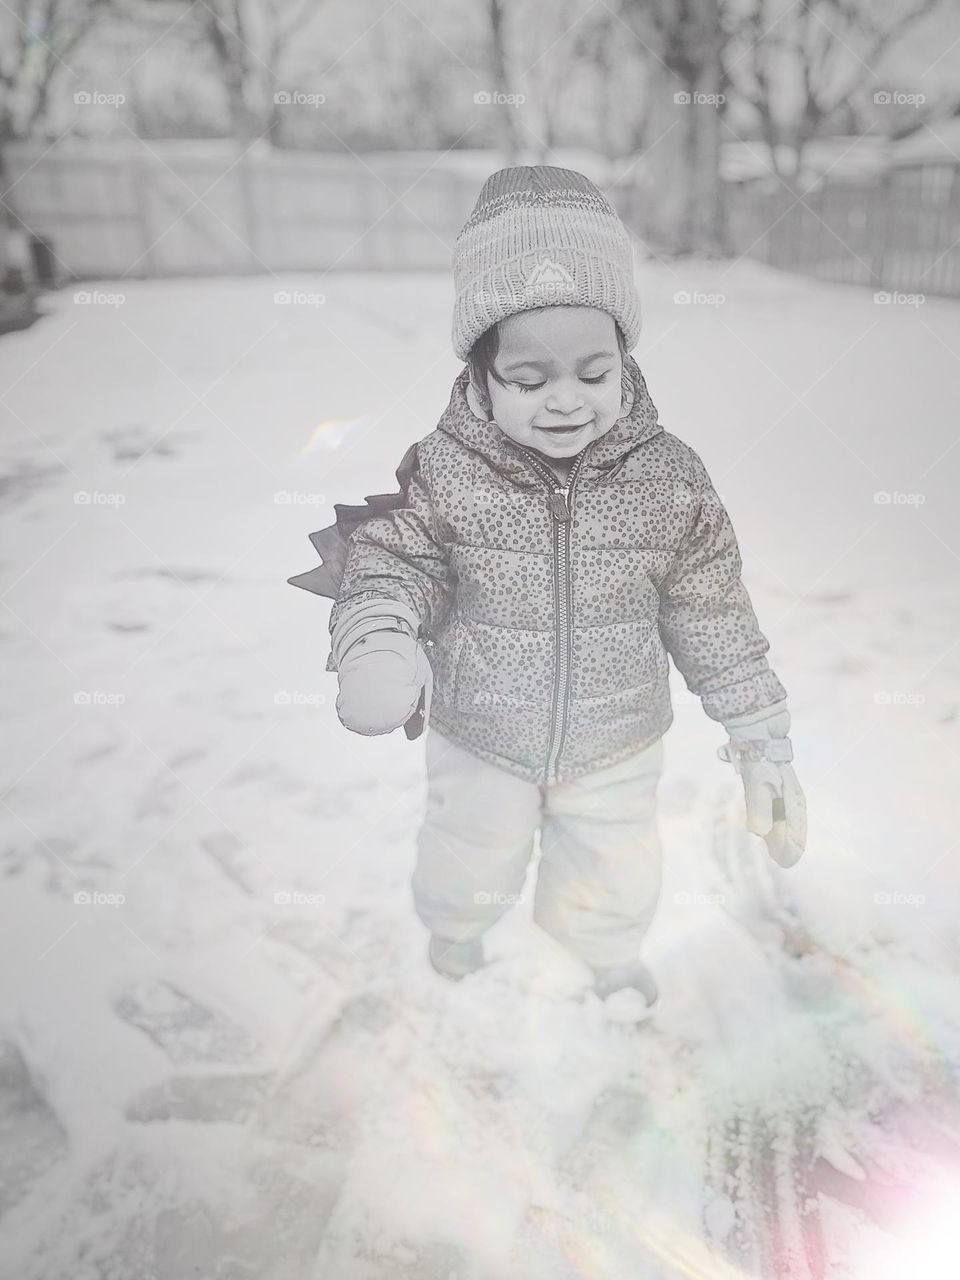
(566, 398)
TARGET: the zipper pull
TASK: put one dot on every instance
(557, 501)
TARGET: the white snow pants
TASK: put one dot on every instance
(600, 870)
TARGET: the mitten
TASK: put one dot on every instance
(776, 807)
(382, 668)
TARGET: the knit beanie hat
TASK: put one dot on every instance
(538, 237)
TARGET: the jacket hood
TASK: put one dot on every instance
(634, 428)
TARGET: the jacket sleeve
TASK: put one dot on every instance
(707, 621)
(399, 557)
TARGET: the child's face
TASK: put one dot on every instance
(562, 369)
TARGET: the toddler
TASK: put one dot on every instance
(553, 545)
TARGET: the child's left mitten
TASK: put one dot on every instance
(382, 670)
(761, 751)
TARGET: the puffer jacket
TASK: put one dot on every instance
(548, 609)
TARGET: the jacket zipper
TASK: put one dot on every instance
(560, 501)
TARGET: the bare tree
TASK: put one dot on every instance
(685, 40)
(575, 78)
(799, 67)
(251, 41)
(502, 79)
(39, 37)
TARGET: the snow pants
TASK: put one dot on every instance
(599, 876)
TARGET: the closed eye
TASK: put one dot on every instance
(535, 386)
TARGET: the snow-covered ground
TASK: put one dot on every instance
(227, 1057)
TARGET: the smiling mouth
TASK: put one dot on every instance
(565, 431)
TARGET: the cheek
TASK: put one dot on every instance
(608, 401)
(514, 411)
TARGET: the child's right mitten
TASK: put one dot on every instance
(382, 669)
(776, 808)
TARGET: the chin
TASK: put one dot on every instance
(558, 450)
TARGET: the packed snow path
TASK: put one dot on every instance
(222, 1053)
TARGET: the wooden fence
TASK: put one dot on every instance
(202, 208)
(900, 232)
(199, 208)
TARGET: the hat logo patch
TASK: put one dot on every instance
(550, 278)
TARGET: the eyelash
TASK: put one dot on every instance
(524, 387)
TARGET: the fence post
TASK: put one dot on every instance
(877, 222)
(248, 205)
(951, 219)
(141, 175)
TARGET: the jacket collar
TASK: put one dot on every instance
(634, 428)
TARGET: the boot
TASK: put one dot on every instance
(454, 960)
(629, 992)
